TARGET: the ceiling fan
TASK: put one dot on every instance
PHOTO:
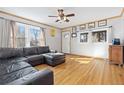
(62, 17)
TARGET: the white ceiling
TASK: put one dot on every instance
(82, 14)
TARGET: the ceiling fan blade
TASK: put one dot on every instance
(52, 16)
(70, 15)
(57, 20)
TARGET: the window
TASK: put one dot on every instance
(36, 36)
(27, 35)
(20, 35)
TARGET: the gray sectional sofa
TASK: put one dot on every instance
(16, 65)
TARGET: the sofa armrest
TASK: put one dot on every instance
(53, 51)
(44, 77)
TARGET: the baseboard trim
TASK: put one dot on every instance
(85, 56)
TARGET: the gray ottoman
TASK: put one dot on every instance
(54, 59)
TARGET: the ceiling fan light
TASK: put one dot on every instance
(65, 18)
(59, 18)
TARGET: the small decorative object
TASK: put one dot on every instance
(73, 35)
(83, 37)
(53, 32)
(74, 32)
(116, 41)
(83, 27)
(102, 23)
(91, 25)
(74, 29)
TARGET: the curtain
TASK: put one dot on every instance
(5, 33)
(26, 35)
(43, 41)
(13, 34)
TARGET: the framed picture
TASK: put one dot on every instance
(53, 32)
(83, 27)
(99, 36)
(83, 37)
(74, 29)
(91, 25)
(102, 23)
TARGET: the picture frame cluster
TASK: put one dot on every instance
(92, 25)
(99, 36)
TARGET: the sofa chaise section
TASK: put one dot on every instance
(43, 77)
(15, 69)
(33, 56)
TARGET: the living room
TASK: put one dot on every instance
(61, 46)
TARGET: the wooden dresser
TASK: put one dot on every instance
(116, 54)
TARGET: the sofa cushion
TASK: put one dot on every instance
(18, 59)
(54, 55)
(54, 62)
(35, 59)
(30, 51)
(10, 52)
(7, 78)
(43, 49)
(42, 77)
(20, 52)
(12, 60)
(8, 67)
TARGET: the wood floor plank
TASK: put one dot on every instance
(78, 70)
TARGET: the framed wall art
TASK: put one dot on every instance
(99, 36)
(53, 32)
(91, 25)
(74, 29)
(83, 37)
(83, 27)
(102, 23)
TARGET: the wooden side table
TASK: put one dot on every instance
(116, 54)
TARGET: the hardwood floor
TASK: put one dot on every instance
(79, 70)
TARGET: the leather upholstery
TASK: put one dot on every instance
(44, 77)
(16, 65)
(10, 77)
(35, 59)
(54, 59)
(6, 67)
(44, 49)
(30, 51)
(19, 72)
(10, 52)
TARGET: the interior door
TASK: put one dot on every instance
(66, 41)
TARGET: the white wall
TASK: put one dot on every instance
(117, 28)
(90, 48)
(98, 49)
(52, 42)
